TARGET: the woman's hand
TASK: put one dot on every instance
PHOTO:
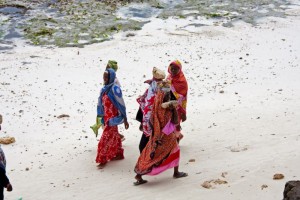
(148, 81)
(126, 124)
(183, 117)
(9, 187)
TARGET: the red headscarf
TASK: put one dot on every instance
(178, 81)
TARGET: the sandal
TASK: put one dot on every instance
(140, 182)
(180, 175)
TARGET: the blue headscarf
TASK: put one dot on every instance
(114, 93)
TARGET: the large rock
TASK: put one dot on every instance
(292, 190)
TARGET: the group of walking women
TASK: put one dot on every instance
(161, 110)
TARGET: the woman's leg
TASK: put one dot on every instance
(139, 180)
(1, 192)
(178, 174)
(143, 142)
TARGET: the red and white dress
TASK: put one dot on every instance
(110, 145)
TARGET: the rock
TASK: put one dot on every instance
(27, 169)
(192, 160)
(278, 176)
(62, 116)
(209, 184)
(219, 181)
(7, 140)
(221, 91)
(206, 184)
(130, 34)
(292, 190)
(224, 174)
(263, 186)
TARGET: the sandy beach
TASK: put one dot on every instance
(242, 121)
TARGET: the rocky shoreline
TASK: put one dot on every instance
(80, 22)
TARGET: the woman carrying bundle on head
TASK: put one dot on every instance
(162, 151)
(112, 111)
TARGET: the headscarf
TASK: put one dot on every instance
(114, 93)
(178, 81)
(113, 64)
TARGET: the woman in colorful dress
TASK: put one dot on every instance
(114, 65)
(146, 102)
(162, 151)
(179, 88)
(111, 108)
(4, 181)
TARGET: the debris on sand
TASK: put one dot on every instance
(7, 140)
(62, 116)
(264, 186)
(210, 184)
(278, 176)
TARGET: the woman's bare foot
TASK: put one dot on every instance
(118, 157)
(122, 137)
(101, 165)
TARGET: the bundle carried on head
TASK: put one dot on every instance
(113, 64)
(158, 74)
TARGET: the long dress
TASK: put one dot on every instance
(179, 88)
(162, 151)
(110, 145)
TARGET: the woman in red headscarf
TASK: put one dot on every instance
(179, 89)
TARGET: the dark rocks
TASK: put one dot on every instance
(292, 190)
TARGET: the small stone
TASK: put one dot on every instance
(263, 186)
(63, 115)
(206, 184)
(224, 174)
(278, 176)
(130, 34)
(27, 169)
(192, 160)
(221, 91)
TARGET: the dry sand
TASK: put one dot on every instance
(243, 112)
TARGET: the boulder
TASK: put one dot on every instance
(292, 190)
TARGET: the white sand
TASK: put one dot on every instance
(258, 113)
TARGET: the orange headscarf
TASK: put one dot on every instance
(178, 81)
